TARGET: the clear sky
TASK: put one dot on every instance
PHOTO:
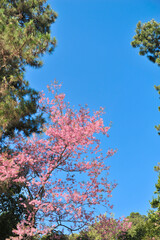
(97, 66)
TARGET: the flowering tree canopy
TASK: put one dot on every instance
(110, 228)
(63, 174)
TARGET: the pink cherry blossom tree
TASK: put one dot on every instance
(63, 172)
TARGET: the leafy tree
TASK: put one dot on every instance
(153, 225)
(53, 188)
(143, 227)
(147, 39)
(24, 38)
(138, 227)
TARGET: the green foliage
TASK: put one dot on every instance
(153, 225)
(84, 235)
(18, 110)
(24, 38)
(143, 227)
(25, 34)
(147, 39)
(138, 228)
(11, 210)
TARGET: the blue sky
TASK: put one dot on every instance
(97, 66)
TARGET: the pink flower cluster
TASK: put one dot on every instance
(50, 169)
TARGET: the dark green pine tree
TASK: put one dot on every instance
(11, 210)
(24, 38)
(147, 39)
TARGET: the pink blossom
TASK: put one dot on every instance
(50, 169)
